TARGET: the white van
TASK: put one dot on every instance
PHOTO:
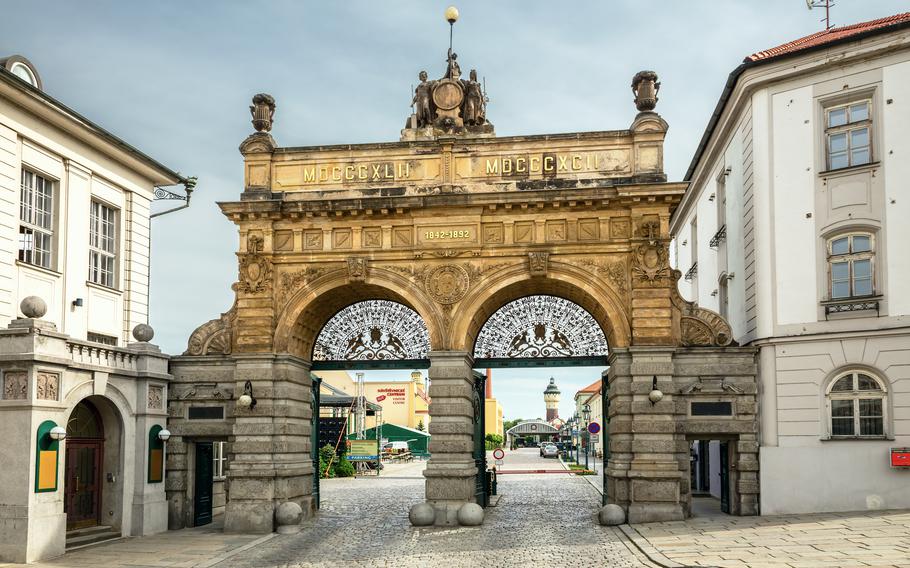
(395, 447)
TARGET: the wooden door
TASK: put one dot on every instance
(82, 484)
(725, 477)
(202, 500)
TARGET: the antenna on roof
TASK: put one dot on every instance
(826, 4)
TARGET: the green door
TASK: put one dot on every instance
(725, 477)
(202, 496)
(314, 436)
(480, 449)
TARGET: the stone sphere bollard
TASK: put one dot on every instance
(33, 307)
(470, 515)
(611, 515)
(143, 332)
(422, 515)
(288, 515)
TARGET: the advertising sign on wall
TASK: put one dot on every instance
(363, 450)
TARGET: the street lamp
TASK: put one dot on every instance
(58, 433)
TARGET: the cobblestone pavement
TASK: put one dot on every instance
(541, 520)
(797, 541)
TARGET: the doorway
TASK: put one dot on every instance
(710, 477)
(83, 463)
(203, 488)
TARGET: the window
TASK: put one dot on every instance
(36, 216)
(102, 244)
(856, 406)
(219, 459)
(23, 72)
(850, 266)
(848, 133)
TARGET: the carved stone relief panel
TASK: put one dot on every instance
(312, 240)
(284, 240)
(341, 239)
(402, 236)
(650, 264)
(537, 263)
(155, 398)
(372, 237)
(15, 385)
(48, 385)
(524, 232)
(620, 228)
(588, 229)
(357, 269)
(556, 231)
(448, 283)
(493, 233)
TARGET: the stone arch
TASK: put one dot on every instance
(563, 281)
(308, 310)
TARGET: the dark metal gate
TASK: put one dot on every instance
(480, 448)
(314, 435)
(605, 431)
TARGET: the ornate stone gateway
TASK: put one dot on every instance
(449, 246)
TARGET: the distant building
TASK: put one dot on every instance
(493, 423)
(551, 397)
(74, 283)
(404, 402)
(795, 229)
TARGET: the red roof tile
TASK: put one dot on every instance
(593, 387)
(828, 36)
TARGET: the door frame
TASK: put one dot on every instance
(68, 491)
(196, 478)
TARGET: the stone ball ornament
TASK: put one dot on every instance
(470, 515)
(611, 515)
(143, 332)
(33, 307)
(288, 516)
(422, 515)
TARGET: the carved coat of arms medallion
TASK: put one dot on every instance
(448, 283)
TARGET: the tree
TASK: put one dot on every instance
(509, 424)
(420, 426)
(327, 459)
(493, 441)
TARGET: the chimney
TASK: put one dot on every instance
(489, 389)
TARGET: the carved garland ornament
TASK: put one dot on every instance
(700, 327)
(650, 264)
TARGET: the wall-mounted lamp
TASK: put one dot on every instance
(77, 303)
(164, 435)
(655, 395)
(58, 433)
(247, 400)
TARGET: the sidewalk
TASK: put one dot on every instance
(189, 548)
(873, 538)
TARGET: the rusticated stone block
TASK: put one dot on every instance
(646, 490)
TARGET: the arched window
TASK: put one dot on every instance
(856, 406)
(850, 266)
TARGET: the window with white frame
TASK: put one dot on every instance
(848, 133)
(219, 459)
(102, 245)
(850, 266)
(856, 406)
(36, 220)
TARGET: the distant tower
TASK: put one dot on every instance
(551, 399)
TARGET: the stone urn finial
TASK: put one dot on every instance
(143, 332)
(645, 87)
(33, 307)
(263, 111)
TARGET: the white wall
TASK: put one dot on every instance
(896, 157)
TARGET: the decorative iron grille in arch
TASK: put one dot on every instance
(373, 330)
(540, 326)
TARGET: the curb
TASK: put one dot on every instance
(646, 548)
(236, 551)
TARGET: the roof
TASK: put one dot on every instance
(809, 43)
(344, 401)
(77, 122)
(828, 36)
(387, 425)
(593, 387)
(532, 427)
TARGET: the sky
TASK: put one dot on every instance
(175, 79)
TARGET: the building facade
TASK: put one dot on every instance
(82, 400)
(794, 229)
(403, 402)
(493, 422)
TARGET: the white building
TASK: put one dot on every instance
(74, 232)
(795, 227)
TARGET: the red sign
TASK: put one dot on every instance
(498, 453)
(380, 398)
(593, 427)
(900, 457)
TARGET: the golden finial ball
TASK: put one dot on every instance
(451, 14)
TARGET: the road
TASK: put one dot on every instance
(540, 520)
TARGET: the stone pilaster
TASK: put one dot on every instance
(451, 471)
(270, 455)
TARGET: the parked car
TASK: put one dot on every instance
(543, 447)
(550, 451)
